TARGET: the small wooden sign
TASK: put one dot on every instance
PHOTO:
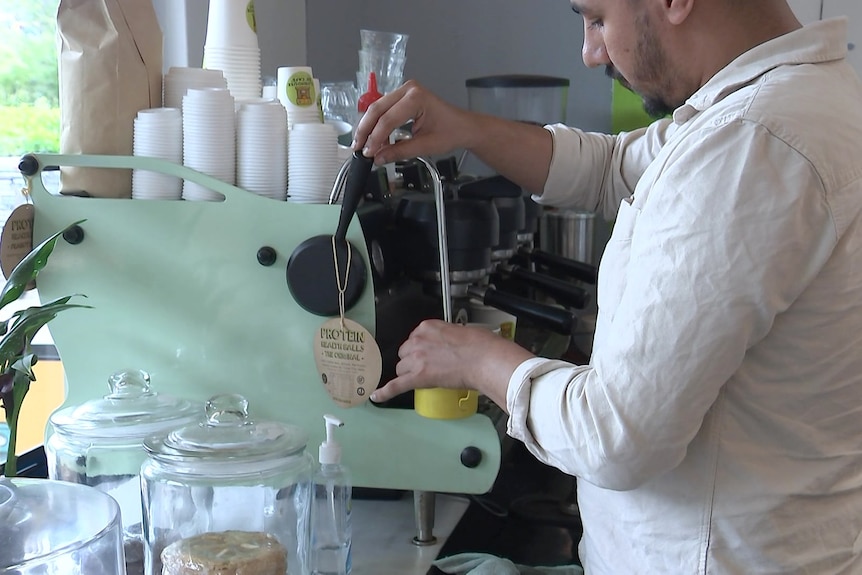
(348, 360)
(17, 240)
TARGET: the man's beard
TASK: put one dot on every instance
(651, 64)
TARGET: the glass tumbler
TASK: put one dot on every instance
(339, 101)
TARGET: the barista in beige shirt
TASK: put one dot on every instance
(718, 425)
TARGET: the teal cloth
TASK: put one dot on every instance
(484, 564)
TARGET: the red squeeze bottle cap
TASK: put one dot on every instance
(371, 95)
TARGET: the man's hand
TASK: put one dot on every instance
(440, 354)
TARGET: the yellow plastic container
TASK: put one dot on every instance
(442, 403)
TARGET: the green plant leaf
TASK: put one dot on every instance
(25, 365)
(27, 323)
(28, 268)
(16, 335)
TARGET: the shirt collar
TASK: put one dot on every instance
(819, 42)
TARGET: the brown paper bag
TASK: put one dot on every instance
(110, 67)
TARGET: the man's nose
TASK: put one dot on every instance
(594, 52)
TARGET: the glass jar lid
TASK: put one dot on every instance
(131, 409)
(46, 526)
(229, 433)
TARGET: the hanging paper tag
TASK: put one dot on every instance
(17, 239)
(348, 361)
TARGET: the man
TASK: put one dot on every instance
(718, 425)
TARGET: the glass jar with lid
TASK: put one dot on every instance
(52, 527)
(228, 495)
(100, 443)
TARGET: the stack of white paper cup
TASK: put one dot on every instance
(297, 92)
(178, 81)
(261, 148)
(209, 139)
(311, 163)
(232, 46)
(158, 133)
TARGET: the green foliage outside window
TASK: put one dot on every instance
(29, 86)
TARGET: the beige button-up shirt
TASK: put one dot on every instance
(718, 425)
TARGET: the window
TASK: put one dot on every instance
(29, 101)
(29, 122)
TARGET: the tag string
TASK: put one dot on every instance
(28, 189)
(341, 288)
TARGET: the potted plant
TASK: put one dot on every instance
(16, 336)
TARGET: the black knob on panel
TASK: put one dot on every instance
(471, 456)
(74, 234)
(266, 256)
(28, 166)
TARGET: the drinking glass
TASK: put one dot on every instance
(339, 101)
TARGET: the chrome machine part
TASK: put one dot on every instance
(424, 508)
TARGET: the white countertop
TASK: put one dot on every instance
(383, 530)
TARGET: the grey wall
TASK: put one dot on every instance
(452, 40)
(280, 28)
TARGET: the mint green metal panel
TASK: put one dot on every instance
(176, 290)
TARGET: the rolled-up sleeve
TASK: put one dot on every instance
(593, 172)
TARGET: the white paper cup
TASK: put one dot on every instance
(231, 23)
(295, 87)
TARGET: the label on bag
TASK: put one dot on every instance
(17, 239)
(348, 360)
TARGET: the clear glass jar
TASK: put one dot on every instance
(52, 527)
(225, 475)
(100, 444)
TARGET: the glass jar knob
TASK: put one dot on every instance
(129, 383)
(227, 409)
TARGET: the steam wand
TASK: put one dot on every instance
(424, 501)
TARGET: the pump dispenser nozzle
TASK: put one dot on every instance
(330, 508)
(330, 451)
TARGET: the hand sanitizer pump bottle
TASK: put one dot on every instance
(331, 506)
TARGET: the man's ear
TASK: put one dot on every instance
(676, 11)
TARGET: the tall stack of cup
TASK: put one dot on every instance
(158, 133)
(296, 91)
(261, 148)
(385, 54)
(209, 139)
(232, 46)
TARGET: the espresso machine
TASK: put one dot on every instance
(490, 226)
(215, 297)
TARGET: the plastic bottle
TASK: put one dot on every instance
(370, 96)
(331, 506)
